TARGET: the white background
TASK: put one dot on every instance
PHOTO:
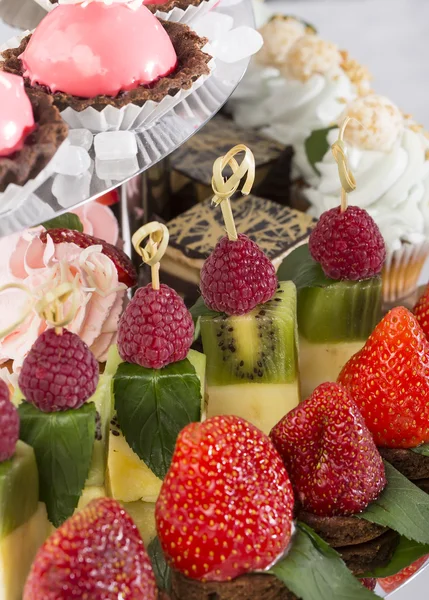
(391, 37)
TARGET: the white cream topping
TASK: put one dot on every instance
(392, 186)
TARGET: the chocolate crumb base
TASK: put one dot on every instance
(423, 484)
(377, 553)
(412, 465)
(246, 587)
(192, 64)
(168, 6)
(39, 146)
(342, 531)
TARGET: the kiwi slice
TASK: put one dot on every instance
(339, 311)
(260, 347)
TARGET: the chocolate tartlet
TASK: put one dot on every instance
(192, 64)
(39, 146)
(167, 6)
(413, 466)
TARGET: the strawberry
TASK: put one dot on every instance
(331, 458)
(225, 506)
(390, 584)
(389, 381)
(109, 199)
(369, 583)
(126, 271)
(98, 554)
(421, 311)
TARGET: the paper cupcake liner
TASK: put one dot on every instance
(177, 15)
(402, 270)
(131, 117)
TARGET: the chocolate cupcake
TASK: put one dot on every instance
(152, 72)
(36, 133)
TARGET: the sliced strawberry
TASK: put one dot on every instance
(126, 271)
(98, 554)
(109, 199)
(421, 311)
(390, 584)
(389, 381)
(225, 507)
(331, 458)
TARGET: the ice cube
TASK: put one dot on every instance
(116, 170)
(213, 25)
(71, 160)
(237, 44)
(70, 190)
(80, 137)
(115, 145)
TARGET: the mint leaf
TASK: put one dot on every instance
(317, 145)
(153, 406)
(63, 443)
(405, 554)
(299, 267)
(424, 449)
(402, 506)
(313, 570)
(65, 221)
(160, 566)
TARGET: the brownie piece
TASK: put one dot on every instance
(362, 558)
(247, 587)
(412, 465)
(192, 63)
(423, 484)
(342, 531)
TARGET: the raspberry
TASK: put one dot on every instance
(59, 372)
(348, 244)
(9, 424)
(369, 583)
(156, 328)
(237, 276)
(126, 271)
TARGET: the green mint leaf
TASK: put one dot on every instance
(153, 406)
(200, 310)
(65, 221)
(424, 449)
(63, 443)
(313, 570)
(316, 146)
(299, 267)
(160, 566)
(405, 554)
(402, 506)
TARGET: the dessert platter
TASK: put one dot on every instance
(268, 439)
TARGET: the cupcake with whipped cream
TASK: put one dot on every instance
(387, 154)
(306, 90)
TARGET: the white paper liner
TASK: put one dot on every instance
(177, 15)
(15, 195)
(130, 117)
(402, 270)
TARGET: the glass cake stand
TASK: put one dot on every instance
(154, 144)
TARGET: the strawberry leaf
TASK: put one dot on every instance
(160, 566)
(153, 406)
(65, 221)
(313, 570)
(402, 506)
(423, 449)
(406, 553)
(317, 145)
(63, 443)
(299, 267)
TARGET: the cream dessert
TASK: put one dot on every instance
(71, 50)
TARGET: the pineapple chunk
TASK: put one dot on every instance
(143, 515)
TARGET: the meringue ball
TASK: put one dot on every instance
(310, 55)
(279, 34)
(378, 124)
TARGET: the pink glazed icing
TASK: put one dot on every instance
(98, 49)
(16, 114)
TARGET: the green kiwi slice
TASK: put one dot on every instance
(260, 347)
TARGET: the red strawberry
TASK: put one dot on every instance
(225, 507)
(389, 381)
(109, 199)
(126, 271)
(98, 554)
(390, 584)
(421, 311)
(329, 454)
